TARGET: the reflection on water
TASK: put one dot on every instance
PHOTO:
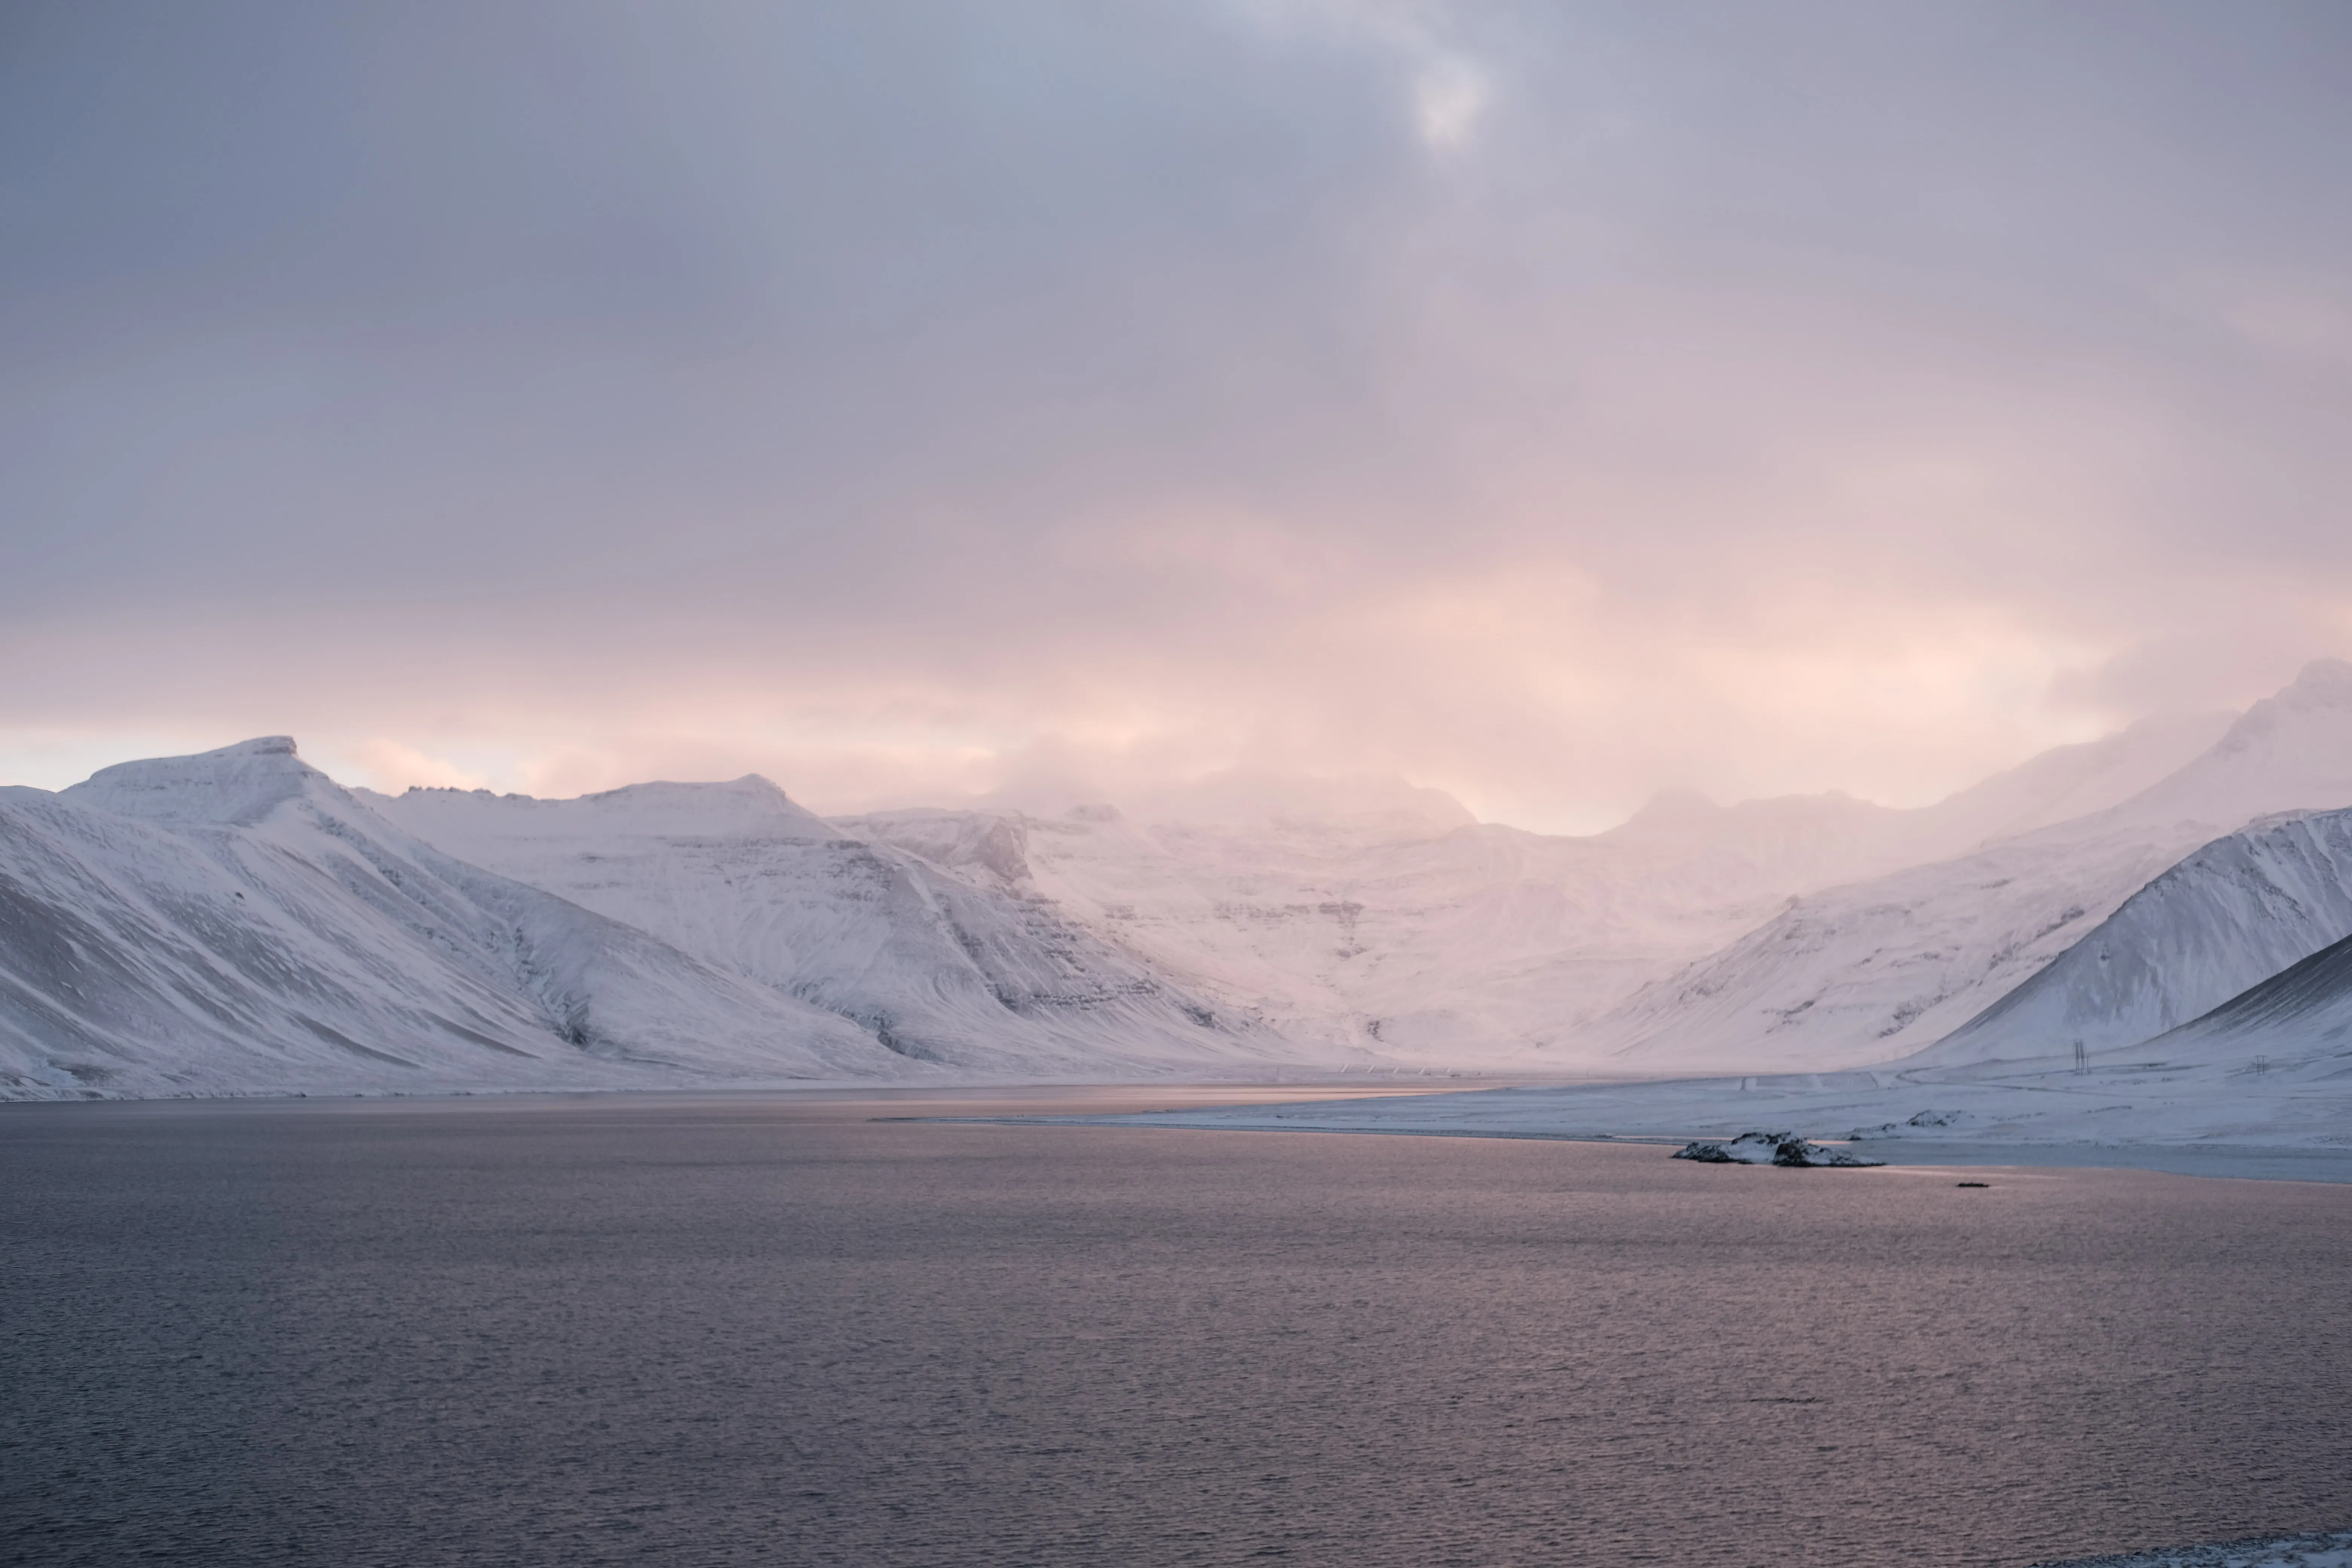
(774, 1330)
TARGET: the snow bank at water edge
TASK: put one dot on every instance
(2331, 1550)
(2294, 1121)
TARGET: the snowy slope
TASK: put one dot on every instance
(1371, 912)
(2231, 915)
(1876, 969)
(2294, 1026)
(978, 975)
(237, 922)
(1810, 841)
(2065, 783)
(2291, 752)
(1465, 944)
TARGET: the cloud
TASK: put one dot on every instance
(1448, 97)
(896, 400)
(390, 767)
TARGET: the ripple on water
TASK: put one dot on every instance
(775, 1331)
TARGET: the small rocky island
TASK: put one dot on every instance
(1768, 1149)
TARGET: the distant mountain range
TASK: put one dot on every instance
(238, 922)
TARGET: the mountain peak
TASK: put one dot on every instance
(749, 797)
(2322, 682)
(1684, 813)
(2321, 690)
(2290, 752)
(234, 786)
(661, 808)
(1674, 808)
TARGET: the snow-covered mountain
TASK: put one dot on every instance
(1413, 936)
(2065, 784)
(1874, 969)
(1368, 911)
(978, 974)
(2232, 915)
(237, 922)
(2293, 1027)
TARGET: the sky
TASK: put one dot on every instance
(1549, 403)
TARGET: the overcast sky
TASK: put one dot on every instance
(1550, 404)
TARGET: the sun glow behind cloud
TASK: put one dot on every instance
(1447, 98)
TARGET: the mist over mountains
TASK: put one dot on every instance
(238, 922)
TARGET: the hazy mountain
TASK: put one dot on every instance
(1371, 911)
(1873, 970)
(1459, 945)
(2068, 783)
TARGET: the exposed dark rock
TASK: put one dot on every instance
(1768, 1149)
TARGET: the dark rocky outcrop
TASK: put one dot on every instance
(1768, 1149)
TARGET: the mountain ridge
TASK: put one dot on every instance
(235, 921)
(1874, 969)
(722, 933)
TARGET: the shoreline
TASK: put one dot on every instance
(1527, 1113)
(2223, 1162)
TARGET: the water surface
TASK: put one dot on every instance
(775, 1330)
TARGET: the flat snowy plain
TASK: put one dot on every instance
(2328, 1551)
(2185, 1120)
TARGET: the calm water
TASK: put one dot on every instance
(761, 1332)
